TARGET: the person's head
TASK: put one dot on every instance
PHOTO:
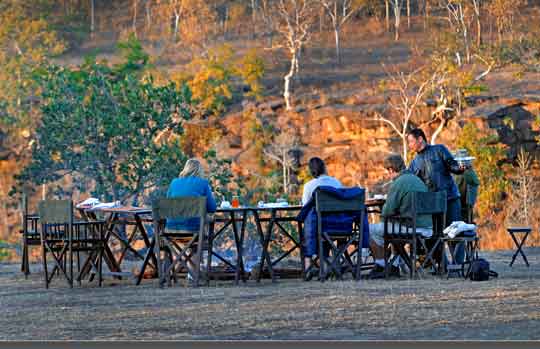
(192, 168)
(416, 140)
(316, 167)
(394, 163)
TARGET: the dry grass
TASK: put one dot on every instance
(433, 308)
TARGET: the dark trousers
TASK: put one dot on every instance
(453, 213)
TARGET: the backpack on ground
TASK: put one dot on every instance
(480, 270)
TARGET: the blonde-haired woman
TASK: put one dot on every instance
(190, 182)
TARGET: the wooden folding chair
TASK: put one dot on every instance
(178, 246)
(401, 230)
(61, 237)
(29, 235)
(337, 242)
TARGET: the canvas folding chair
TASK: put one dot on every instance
(61, 237)
(29, 235)
(401, 230)
(178, 247)
(337, 242)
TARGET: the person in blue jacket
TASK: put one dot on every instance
(190, 182)
(338, 222)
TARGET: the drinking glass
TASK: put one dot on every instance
(235, 201)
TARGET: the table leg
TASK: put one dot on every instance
(265, 241)
(519, 248)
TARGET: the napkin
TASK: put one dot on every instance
(103, 205)
(89, 202)
(273, 204)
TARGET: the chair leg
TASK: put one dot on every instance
(100, 265)
(44, 259)
(209, 257)
(414, 272)
(198, 259)
(387, 251)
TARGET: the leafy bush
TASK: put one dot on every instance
(216, 78)
(108, 130)
(489, 154)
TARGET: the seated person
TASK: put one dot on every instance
(190, 182)
(398, 201)
(317, 169)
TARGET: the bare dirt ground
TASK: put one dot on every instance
(434, 308)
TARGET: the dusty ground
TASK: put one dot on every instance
(432, 308)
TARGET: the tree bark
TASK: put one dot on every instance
(148, 7)
(397, 15)
(338, 53)
(92, 19)
(176, 23)
(387, 18)
(409, 14)
(134, 24)
(288, 77)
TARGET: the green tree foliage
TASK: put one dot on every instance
(27, 41)
(251, 69)
(489, 154)
(214, 82)
(112, 132)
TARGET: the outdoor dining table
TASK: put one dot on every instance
(269, 223)
(273, 218)
(224, 218)
(123, 216)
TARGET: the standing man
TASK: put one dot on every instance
(434, 164)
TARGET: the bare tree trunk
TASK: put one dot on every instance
(134, 24)
(437, 132)
(476, 6)
(321, 20)
(92, 19)
(397, 16)
(387, 17)
(148, 7)
(338, 53)
(408, 14)
(176, 23)
(288, 77)
(254, 17)
(404, 145)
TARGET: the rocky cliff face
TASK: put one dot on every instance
(353, 145)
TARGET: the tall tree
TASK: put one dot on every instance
(504, 12)
(397, 5)
(340, 11)
(411, 89)
(459, 17)
(294, 21)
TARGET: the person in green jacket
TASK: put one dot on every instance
(398, 201)
(467, 184)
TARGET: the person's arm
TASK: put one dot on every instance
(414, 168)
(451, 164)
(210, 201)
(306, 195)
(393, 200)
(169, 190)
